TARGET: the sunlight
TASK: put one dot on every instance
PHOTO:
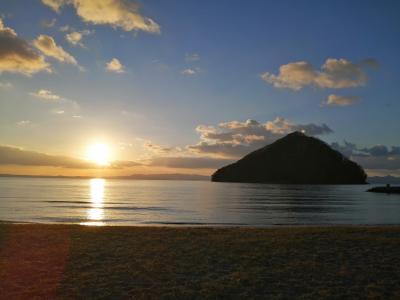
(98, 153)
(95, 214)
(97, 191)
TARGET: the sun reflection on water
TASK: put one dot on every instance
(95, 214)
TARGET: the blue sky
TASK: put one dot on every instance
(225, 47)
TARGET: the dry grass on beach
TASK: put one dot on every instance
(60, 261)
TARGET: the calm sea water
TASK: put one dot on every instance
(141, 202)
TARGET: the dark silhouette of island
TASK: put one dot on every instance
(293, 159)
(386, 189)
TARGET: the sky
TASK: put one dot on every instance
(188, 86)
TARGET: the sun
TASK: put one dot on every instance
(98, 153)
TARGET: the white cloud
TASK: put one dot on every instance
(23, 123)
(17, 56)
(55, 4)
(334, 74)
(75, 37)
(46, 95)
(63, 105)
(234, 139)
(190, 71)
(222, 144)
(336, 100)
(65, 28)
(115, 66)
(116, 13)
(58, 112)
(48, 47)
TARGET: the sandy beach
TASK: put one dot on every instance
(68, 261)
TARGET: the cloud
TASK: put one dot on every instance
(234, 139)
(122, 164)
(220, 145)
(190, 71)
(116, 13)
(17, 56)
(176, 157)
(347, 149)
(63, 104)
(192, 57)
(48, 23)
(334, 74)
(6, 85)
(48, 47)
(351, 149)
(379, 150)
(158, 149)
(58, 112)
(55, 4)
(75, 37)
(10, 155)
(190, 162)
(283, 126)
(65, 28)
(225, 150)
(23, 123)
(46, 95)
(378, 157)
(115, 66)
(17, 156)
(336, 100)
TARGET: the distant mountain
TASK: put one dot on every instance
(293, 159)
(192, 177)
(384, 179)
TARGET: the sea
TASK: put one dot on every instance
(115, 202)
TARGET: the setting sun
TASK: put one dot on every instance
(98, 153)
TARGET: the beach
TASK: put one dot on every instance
(71, 261)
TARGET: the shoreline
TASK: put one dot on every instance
(205, 225)
(161, 262)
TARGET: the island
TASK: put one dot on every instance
(293, 159)
(388, 189)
